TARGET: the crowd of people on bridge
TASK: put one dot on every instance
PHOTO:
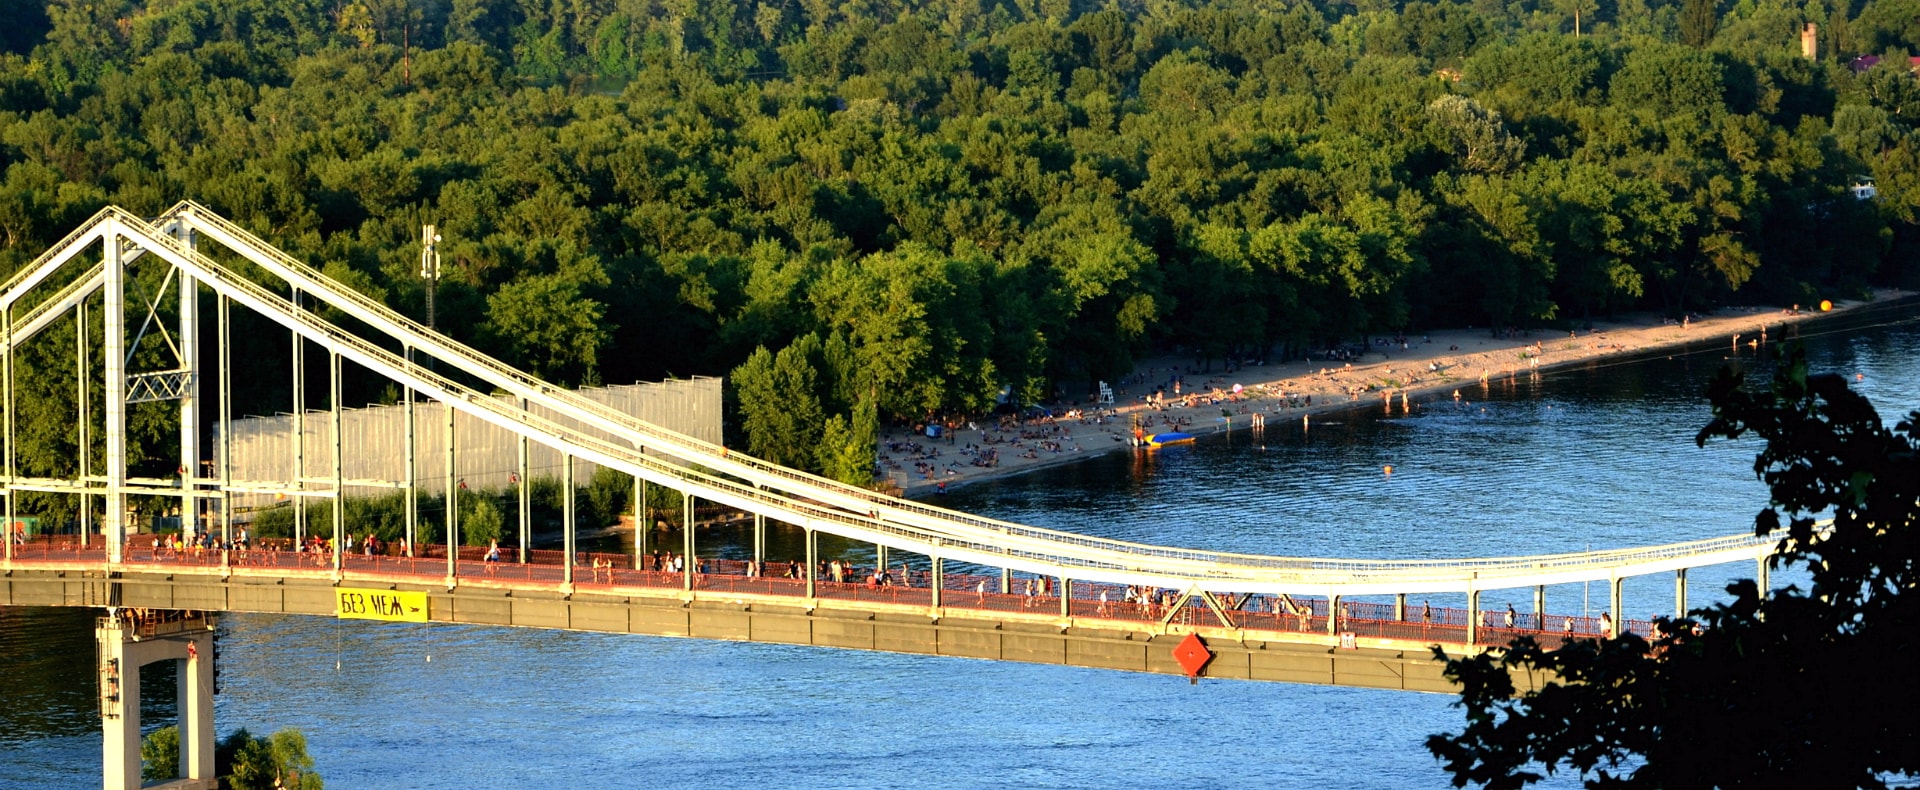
(1037, 593)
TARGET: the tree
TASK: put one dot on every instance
(482, 523)
(778, 397)
(847, 445)
(160, 754)
(273, 763)
(1698, 21)
(1886, 24)
(551, 327)
(1477, 136)
(1782, 688)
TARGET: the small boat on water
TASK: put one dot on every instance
(1164, 439)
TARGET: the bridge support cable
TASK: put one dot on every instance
(759, 539)
(526, 496)
(813, 553)
(6, 381)
(623, 427)
(686, 540)
(224, 328)
(299, 423)
(1400, 608)
(1540, 605)
(640, 524)
(412, 462)
(567, 523)
(189, 323)
(83, 370)
(908, 507)
(335, 428)
(114, 349)
(1333, 613)
(452, 500)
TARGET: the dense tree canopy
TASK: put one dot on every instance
(975, 197)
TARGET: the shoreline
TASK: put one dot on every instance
(1424, 368)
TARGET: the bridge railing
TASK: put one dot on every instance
(1299, 615)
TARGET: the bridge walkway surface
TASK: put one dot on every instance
(734, 599)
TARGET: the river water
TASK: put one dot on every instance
(1599, 455)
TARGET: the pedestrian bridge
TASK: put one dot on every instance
(1235, 594)
(908, 609)
(963, 591)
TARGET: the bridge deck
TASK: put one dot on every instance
(1261, 637)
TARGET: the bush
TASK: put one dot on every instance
(278, 761)
(608, 495)
(160, 754)
(480, 522)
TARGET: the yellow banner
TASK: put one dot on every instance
(393, 605)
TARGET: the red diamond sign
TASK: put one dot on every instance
(1193, 655)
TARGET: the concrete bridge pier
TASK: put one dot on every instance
(128, 643)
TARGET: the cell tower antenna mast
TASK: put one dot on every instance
(430, 266)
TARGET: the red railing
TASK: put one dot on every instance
(904, 587)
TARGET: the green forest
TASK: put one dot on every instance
(863, 210)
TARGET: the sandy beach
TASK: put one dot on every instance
(1400, 373)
